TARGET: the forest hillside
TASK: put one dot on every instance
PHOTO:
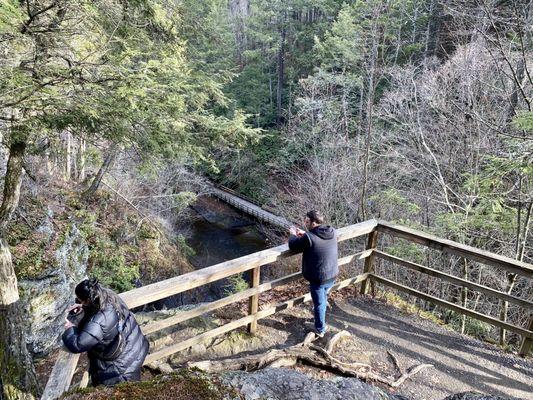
(115, 117)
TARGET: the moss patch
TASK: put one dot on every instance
(408, 308)
(31, 257)
(183, 385)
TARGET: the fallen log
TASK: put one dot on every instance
(308, 353)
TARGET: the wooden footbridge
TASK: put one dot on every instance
(249, 207)
(63, 371)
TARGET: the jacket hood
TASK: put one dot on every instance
(325, 232)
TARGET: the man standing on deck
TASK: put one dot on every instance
(319, 262)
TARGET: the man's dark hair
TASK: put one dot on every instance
(315, 216)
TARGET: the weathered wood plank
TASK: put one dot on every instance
(61, 376)
(453, 279)
(181, 283)
(451, 247)
(454, 307)
(84, 382)
(357, 230)
(527, 343)
(215, 305)
(369, 261)
(253, 301)
(167, 351)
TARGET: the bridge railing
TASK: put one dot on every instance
(63, 371)
(61, 376)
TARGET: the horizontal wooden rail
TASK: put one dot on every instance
(462, 310)
(451, 247)
(453, 279)
(61, 375)
(169, 287)
(215, 305)
(169, 350)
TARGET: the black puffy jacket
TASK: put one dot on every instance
(98, 333)
(320, 253)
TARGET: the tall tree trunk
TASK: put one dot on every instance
(281, 73)
(112, 153)
(81, 160)
(433, 28)
(239, 11)
(513, 99)
(370, 90)
(68, 157)
(511, 278)
(17, 374)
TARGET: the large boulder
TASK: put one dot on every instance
(47, 294)
(475, 396)
(288, 384)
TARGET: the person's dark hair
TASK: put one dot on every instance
(315, 216)
(98, 297)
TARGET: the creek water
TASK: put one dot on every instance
(220, 233)
(217, 233)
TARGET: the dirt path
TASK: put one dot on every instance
(460, 363)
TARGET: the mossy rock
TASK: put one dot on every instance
(17, 233)
(182, 385)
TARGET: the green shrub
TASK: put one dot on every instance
(108, 264)
(237, 284)
(473, 327)
(184, 249)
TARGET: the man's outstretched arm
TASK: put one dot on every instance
(299, 243)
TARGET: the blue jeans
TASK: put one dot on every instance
(319, 294)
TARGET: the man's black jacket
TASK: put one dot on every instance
(320, 253)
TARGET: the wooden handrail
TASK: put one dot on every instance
(455, 280)
(167, 351)
(462, 310)
(169, 287)
(234, 298)
(451, 247)
(61, 375)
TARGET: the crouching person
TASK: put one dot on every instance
(102, 325)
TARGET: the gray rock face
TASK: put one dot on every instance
(288, 384)
(47, 296)
(476, 396)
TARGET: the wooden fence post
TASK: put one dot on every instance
(369, 261)
(253, 302)
(527, 342)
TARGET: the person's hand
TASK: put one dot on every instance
(73, 307)
(296, 231)
(68, 324)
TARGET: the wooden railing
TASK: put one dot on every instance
(63, 371)
(469, 253)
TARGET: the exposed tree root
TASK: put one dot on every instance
(308, 353)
